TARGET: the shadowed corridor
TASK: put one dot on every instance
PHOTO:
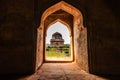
(94, 38)
(61, 71)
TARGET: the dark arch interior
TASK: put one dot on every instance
(62, 15)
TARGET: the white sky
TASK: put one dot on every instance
(61, 28)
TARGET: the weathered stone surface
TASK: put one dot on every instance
(61, 71)
(16, 37)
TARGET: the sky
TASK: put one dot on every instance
(61, 28)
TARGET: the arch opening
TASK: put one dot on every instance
(58, 43)
(71, 16)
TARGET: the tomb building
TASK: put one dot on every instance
(56, 40)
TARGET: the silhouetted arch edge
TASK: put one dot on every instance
(61, 21)
(65, 7)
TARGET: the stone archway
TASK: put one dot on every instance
(78, 30)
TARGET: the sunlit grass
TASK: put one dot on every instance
(57, 54)
(54, 54)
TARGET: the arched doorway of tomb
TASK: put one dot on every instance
(71, 16)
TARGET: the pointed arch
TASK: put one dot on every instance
(61, 21)
(65, 7)
(78, 33)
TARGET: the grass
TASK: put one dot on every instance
(53, 53)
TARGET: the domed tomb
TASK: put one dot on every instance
(56, 40)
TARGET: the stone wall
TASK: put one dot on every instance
(103, 37)
(17, 36)
(39, 50)
(81, 49)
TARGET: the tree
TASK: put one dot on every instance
(48, 48)
(61, 48)
(66, 45)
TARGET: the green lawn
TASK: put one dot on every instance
(53, 53)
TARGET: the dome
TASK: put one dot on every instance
(56, 35)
